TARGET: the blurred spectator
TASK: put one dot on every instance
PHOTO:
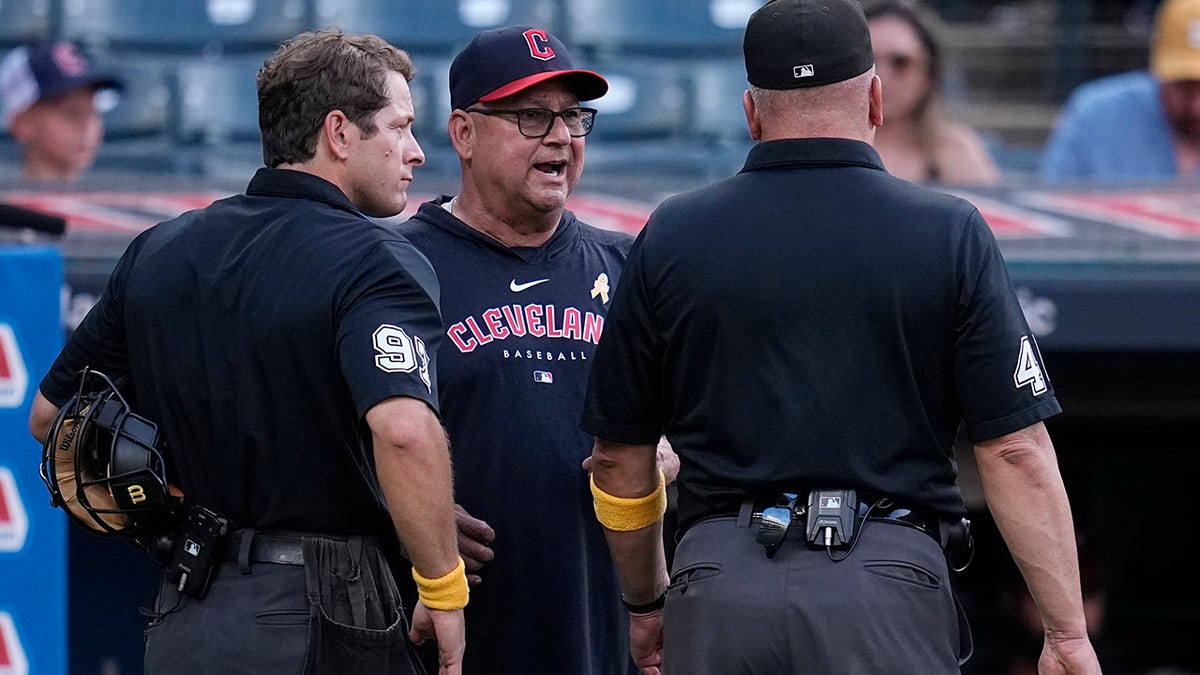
(919, 140)
(1011, 642)
(1026, 645)
(48, 94)
(1138, 126)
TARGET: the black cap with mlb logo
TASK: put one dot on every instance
(791, 44)
(503, 61)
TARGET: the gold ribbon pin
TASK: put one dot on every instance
(600, 288)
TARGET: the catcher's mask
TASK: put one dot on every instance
(101, 464)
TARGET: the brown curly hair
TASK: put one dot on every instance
(318, 72)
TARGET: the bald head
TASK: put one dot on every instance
(848, 109)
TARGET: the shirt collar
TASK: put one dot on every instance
(298, 185)
(436, 212)
(812, 152)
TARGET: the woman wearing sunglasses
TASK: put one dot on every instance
(919, 140)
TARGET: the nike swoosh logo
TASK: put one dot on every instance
(517, 288)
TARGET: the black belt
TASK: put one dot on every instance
(882, 509)
(899, 514)
(274, 547)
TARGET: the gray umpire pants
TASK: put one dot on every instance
(338, 612)
(887, 608)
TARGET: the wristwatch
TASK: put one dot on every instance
(652, 606)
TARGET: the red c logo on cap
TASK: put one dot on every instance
(539, 44)
(68, 59)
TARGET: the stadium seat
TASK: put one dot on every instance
(23, 21)
(143, 107)
(659, 108)
(431, 26)
(718, 118)
(216, 101)
(647, 99)
(646, 121)
(431, 100)
(662, 27)
(716, 88)
(184, 25)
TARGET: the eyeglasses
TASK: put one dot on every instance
(900, 63)
(537, 122)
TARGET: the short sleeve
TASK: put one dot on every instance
(389, 327)
(99, 342)
(1001, 380)
(623, 400)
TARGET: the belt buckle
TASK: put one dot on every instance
(775, 521)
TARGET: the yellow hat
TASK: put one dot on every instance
(1175, 53)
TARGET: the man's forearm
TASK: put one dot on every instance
(41, 416)
(640, 561)
(415, 475)
(631, 471)
(1025, 495)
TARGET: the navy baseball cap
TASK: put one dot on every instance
(503, 61)
(33, 72)
(792, 44)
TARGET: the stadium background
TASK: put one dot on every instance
(1110, 277)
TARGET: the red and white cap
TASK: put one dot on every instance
(33, 72)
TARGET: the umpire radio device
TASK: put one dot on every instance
(830, 519)
(832, 515)
(197, 549)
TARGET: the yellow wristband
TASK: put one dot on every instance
(626, 514)
(448, 591)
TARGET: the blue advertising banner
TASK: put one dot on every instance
(33, 547)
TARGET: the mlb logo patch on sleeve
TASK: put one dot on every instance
(543, 376)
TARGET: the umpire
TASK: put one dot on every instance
(809, 334)
(284, 343)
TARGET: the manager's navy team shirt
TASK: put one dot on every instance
(521, 327)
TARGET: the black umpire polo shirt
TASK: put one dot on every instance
(815, 322)
(257, 333)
